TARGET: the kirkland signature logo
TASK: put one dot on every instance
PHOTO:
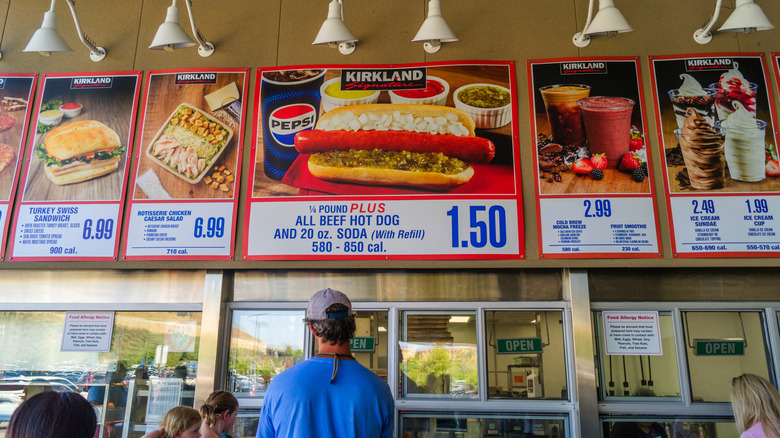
(384, 79)
(195, 78)
(704, 64)
(578, 68)
(94, 82)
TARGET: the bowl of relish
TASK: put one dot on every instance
(488, 104)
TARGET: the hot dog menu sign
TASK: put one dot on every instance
(720, 153)
(594, 181)
(75, 176)
(385, 162)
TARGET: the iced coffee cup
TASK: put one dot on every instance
(607, 126)
(744, 145)
(560, 102)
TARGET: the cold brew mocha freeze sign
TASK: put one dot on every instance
(716, 123)
(594, 190)
(384, 162)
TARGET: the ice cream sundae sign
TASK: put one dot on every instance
(722, 180)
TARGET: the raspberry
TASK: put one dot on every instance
(597, 174)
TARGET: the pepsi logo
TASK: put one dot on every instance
(284, 122)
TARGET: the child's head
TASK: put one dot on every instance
(181, 422)
(220, 405)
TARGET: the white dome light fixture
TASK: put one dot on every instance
(747, 17)
(608, 21)
(434, 29)
(334, 32)
(46, 39)
(171, 36)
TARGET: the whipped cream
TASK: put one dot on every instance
(744, 145)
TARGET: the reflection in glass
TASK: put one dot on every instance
(639, 375)
(369, 346)
(447, 425)
(711, 374)
(438, 354)
(668, 427)
(262, 345)
(514, 370)
(145, 347)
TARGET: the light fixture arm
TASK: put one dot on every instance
(580, 39)
(704, 35)
(349, 47)
(205, 48)
(95, 53)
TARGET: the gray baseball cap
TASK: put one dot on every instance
(323, 299)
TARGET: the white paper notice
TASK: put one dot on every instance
(632, 333)
(88, 331)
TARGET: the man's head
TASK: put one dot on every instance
(330, 315)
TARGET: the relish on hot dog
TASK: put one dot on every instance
(428, 146)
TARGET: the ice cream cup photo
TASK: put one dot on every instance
(435, 93)
(334, 97)
(703, 104)
(563, 113)
(724, 99)
(744, 149)
(607, 125)
(489, 105)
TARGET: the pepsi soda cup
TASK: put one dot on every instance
(290, 102)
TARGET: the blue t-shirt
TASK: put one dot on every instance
(301, 402)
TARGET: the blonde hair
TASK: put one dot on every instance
(753, 400)
(179, 419)
(217, 403)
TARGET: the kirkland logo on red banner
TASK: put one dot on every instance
(195, 78)
(384, 79)
(286, 121)
(578, 68)
(708, 64)
(95, 82)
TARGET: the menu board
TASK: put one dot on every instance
(184, 200)
(594, 189)
(75, 173)
(416, 161)
(16, 92)
(716, 125)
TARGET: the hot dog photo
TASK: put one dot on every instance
(444, 129)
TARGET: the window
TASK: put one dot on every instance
(672, 427)
(262, 345)
(369, 346)
(525, 354)
(438, 354)
(639, 375)
(451, 425)
(721, 346)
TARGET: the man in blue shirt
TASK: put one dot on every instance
(331, 394)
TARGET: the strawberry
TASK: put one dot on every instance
(635, 144)
(629, 162)
(599, 161)
(772, 168)
(582, 167)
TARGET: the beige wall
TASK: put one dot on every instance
(255, 33)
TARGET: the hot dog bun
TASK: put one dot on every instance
(80, 138)
(383, 109)
(391, 177)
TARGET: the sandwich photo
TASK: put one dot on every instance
(79, 151)
(428, 146)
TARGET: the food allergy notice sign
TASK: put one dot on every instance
(75, 177)
(88, 331)
(632, 333)
(416, 161)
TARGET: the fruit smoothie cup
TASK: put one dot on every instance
(560, 101)
(607, 126)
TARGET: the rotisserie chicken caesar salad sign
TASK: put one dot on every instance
(416, 161)
(594, 189)
(16, 91)
(721, 176)
(184, 199)
(76, 170)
